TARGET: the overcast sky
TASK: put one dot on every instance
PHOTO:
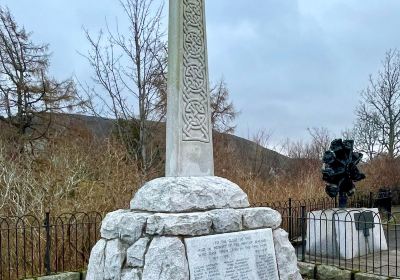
(289, 64)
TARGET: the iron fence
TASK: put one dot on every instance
(357, 240)
(32, 246)
(299, 222)
(291, 209)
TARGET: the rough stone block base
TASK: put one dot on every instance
(139, 245)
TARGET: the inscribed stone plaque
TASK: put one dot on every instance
(246, 255)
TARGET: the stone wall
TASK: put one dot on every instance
(326, 272)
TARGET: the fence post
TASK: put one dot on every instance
(303, 233)
(290, 219)
(48, 241)
(371, 199)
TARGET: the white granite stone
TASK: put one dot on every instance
(131, 274)
(261, 217)
(285, 256)
(226, 220)
(123, 224)
(115, 256)
(239, 255)
(192, 224)
(320, 236)
(96, 262)
(185, 194)
(351, 242)
(333, 233)
(166, 260)
(135, 253)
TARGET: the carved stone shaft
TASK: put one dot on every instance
(189, 130)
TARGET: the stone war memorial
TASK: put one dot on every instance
(190, 224)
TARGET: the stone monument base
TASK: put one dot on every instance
(228, 243)
(345, 233)
(218, 244)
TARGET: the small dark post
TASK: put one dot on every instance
(290, 219)
(371, 199)
(48, 241)
(342, 200)
(303, 233)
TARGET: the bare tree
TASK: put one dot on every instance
(321, 140)
(313, 149)
(379, 111)
(130, 68)
(260, 160)
(27, 94)
(223, 112)
(366, 133)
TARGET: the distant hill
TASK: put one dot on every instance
(251, 156)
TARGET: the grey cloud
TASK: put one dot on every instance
(284, 61)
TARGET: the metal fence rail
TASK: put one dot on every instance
(30, 246)
(296, 220)
(291, 209)
(33, 246)
(349, 240)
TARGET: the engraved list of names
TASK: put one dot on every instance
(246, 255)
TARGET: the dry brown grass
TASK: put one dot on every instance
(68, 175)
(79, 173)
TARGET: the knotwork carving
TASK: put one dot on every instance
(195, 80)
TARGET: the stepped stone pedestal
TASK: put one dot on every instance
(192, 228)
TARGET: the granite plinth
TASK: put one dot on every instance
(187, 194)
(160, 245)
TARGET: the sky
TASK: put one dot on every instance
(289, 64)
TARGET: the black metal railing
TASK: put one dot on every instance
(32, 246)
(291, 209)
(297, 218)
(357, 240)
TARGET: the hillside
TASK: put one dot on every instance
(251, 156)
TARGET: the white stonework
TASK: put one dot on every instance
(191, 224)
(115, 256)
(333, 233)
(226, 220)
(135, 253)
(131, 274)
(146, 242)
(96, 264)
(183, 194)
(166, 260)
(159, 249)
(261, 217)
(285, 256)
(123, 224)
